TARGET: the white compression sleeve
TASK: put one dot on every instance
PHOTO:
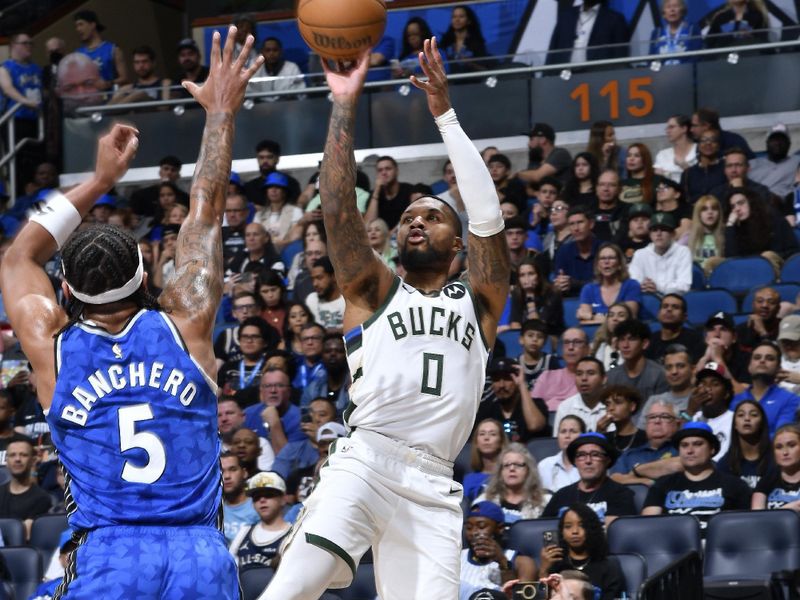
(474, 182)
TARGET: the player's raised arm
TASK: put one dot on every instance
(360, 274)
(192, 296)
(489, 262)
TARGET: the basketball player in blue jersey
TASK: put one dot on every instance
(127, 382)
(417, 351)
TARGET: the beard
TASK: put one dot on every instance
(414, 259)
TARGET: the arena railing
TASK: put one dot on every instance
(500, 102)
(12, 147)
(682, 579)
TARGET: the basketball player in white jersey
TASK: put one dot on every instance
(417, 350)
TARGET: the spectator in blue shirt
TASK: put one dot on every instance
(612, 284)
(574, 260)
(642, 464)
(675, 34)
(779, 404)
(275, 417)
(333, 381)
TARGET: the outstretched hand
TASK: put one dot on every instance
(347, 81)
(430, 61)
(223, 90)
(115, 151)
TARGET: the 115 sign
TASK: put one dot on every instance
(608, 101)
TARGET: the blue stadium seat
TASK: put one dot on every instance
(25, 565)
(639, 494)
(667, 538)
(649, 309)
(703, 304)
(698, 277)
(737, 275)
(791, 269)
(254, 580)
(363, 586)
(634, 568)
(510, 339)
(570, 309)
(541, 448)
(289, 252)
(788, 293)
(740, 318)
(590, 330)
(525, 536)
(46, 531)
(13, 532)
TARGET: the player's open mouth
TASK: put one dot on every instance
(416, 237)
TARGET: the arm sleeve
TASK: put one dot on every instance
(474, 182)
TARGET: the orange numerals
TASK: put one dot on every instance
(641, 99)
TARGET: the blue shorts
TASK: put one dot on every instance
(151, 563)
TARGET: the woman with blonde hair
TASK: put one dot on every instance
(706, 236)
(612, 285)
(515, 485)
(380, 241)
(782, 488)
(604, 345)
(486, 444)
(740, 23)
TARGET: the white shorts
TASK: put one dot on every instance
(377, 492)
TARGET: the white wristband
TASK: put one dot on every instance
(57, 215)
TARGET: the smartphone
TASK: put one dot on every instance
(549, 538)
(10, 368)
(528, 590)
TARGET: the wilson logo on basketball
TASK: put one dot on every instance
(341, 43)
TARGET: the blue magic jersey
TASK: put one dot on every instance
(134, 421)
(103, 57)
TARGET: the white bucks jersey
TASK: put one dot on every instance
(418, 368)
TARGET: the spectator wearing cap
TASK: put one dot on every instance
(672, 316)
(700, 489)
(710, 403)
(777, 169)
(591, 31)
(485, 563)
(638, 371)
(557, 385)
(609, 212)
(763, 321)
(278, 215)
(268, 155)
(190, 68)
(669, 200)
(145, 201)
(789, 342)
(780, 405)
(663, 266)
(574, 261)
(593, 455)
(107, 55)
(509, 188)
(590, 376)
(709, 172)
(258, 544)
(721, 348)
(652, 459)
(545, 159)
(511, 403)
(635, 233)
(103, 209)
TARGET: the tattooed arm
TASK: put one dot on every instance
(360, 274)
(193, 294)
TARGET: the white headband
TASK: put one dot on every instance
(120, 293)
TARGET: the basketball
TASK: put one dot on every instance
(341, 29)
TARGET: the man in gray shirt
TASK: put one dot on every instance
(545, 159)
(678, 369)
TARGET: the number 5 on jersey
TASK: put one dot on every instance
(149, 442)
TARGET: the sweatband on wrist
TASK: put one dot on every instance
(57, 215)
(474, 182)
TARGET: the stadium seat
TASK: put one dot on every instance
(752, 543)
(46, 531)
(570, 309)
(660, 540)
(590, 330)
(703, 304)
(289, 252)
(254, 580)
(363, 586)
(788, 293)
(791, 269)
(634, 568)
(649, 308)
(5, 476)
(740, 318)
(510, 339)
(737, 275)
(541, 448)
(25, 565)
(698, 277)
(639, 494)
(525, 536)
(13, 532)
(461, 464)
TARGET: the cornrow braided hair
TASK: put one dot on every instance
(100, 258)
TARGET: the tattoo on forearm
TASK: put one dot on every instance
(212, 172)
(490, 262)
(348, 246)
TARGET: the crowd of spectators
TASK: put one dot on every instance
(677, 406)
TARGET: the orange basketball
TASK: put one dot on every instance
(341, 29)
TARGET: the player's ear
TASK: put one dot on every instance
(65, 290)
(144, 281)
(458, 245)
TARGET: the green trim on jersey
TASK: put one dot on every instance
(348, 411)
(478, 311)
(379, 311)
(326, 544)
